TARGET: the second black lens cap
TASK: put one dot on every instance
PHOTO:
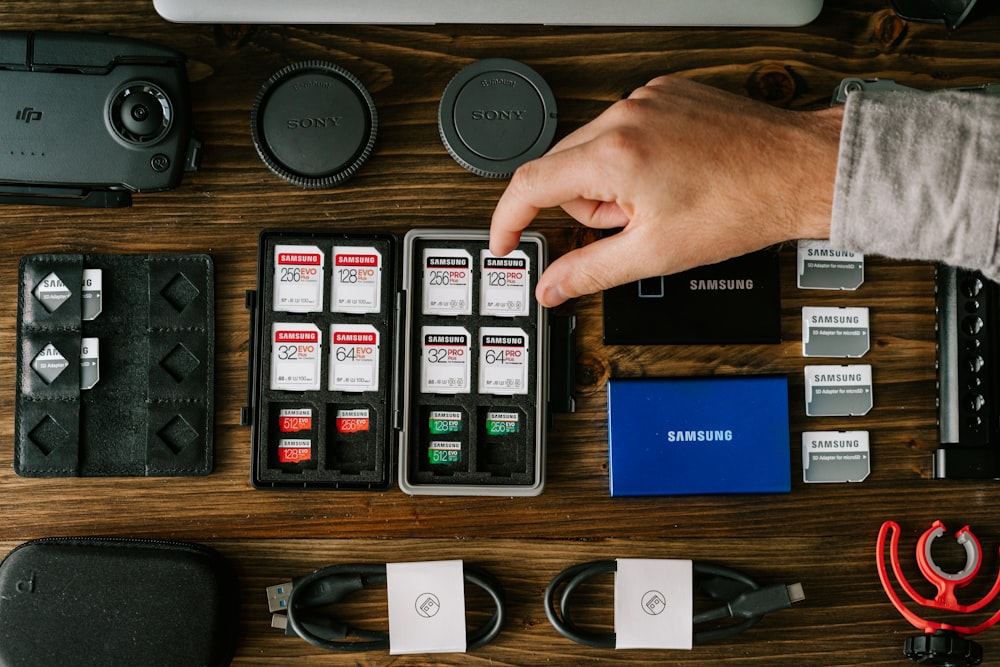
(495, 115)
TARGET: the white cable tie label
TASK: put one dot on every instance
(654, 605)
(426, 607)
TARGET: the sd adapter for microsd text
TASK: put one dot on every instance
(87, 119)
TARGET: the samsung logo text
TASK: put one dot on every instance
(700, 436)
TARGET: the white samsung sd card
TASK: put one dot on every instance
(835, 332)
(838, 391)
(445, 360)
(504, 284)
(447, 282)
(298, 278)
(296, 356)
(820, 266)
(503, 360)
(835, 456)
(354, 350)
(357, 280)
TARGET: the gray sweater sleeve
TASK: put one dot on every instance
(919, 178)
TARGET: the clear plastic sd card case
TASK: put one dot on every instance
(369, 362)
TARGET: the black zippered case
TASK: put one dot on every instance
(116, 601)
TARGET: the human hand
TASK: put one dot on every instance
(691, 174)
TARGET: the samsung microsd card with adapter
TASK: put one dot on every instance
(835, 456)
(834, 332)
(90, 362)
(52, 292)
(92, 296)
(838, 391)
(820, 266)
(49, 363)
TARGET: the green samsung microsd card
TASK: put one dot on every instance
(502, 423)
(443, 423)
(443, 452)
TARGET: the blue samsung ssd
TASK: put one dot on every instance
(698, 435)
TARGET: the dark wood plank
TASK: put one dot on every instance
(821, 535)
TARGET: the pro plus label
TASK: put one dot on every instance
(447, 282)
(504, 284)
(503, 360)
(445, 360)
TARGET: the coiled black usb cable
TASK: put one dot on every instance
(300, 599)
(741, 597)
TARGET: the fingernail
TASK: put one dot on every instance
(551, 295)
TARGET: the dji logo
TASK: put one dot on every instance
(28, 114)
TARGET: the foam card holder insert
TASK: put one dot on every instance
(115, 365)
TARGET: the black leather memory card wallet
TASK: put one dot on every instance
(115, 365)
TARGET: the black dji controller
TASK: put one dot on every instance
(87, 119)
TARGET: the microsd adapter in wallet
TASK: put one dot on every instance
(88, 119)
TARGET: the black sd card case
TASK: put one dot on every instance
(114, 601)
(345, 370)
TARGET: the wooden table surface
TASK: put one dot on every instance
(820, 535)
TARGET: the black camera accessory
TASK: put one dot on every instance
(495, 115)
(88, 119)
(314, 124)
(297, 607)
(739, 597)
(940, 643)
(968, 383)
(117, 602)
(115, 363)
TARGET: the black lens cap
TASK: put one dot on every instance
(313, 124)
(495, 115)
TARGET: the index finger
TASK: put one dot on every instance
(552, 180)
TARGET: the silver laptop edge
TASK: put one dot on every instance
(549, 12)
